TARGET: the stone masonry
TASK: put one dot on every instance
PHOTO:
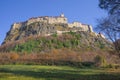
(53, 20)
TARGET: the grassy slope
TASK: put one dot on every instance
(36, 72)
(72, 40)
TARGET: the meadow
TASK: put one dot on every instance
(38, 72)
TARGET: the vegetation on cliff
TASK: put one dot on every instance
(72, 40)
(55, 44)
(70, 48)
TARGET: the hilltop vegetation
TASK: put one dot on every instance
(71, 40)
(80, 49)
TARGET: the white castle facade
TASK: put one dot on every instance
(54, 20)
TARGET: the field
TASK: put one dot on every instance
(37, 72)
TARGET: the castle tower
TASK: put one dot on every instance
(62, 15)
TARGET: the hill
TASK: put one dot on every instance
(45, 25)
(73, 40)
(52, 40)
(44, 33)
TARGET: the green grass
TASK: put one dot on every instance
(37, 72)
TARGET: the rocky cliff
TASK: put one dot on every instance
(43, 26)
(43, 34)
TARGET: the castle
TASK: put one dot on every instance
(54, 20)
(46, 26)
(47, 19)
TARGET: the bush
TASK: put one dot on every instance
(14, 56)
(88, 64)
(99, 61)
(54, 35)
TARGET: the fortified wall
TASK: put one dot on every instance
(48, 19)
(53, 20)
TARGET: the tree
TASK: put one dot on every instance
(99, 61)
(112, 6)
(110, 25)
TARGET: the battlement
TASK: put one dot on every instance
(48, 19)
(53, 20)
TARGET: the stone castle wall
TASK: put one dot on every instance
(52, 20)
(84, 27)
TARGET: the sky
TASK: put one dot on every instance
(84, 11)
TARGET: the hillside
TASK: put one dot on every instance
(73, 40)
(39, 34)
(70, 48)
(52, 40)
(44, 26)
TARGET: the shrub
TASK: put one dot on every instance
(87, 64)
(67, 44)
(99, 61)
(54, 35)
(14, 56)
(72, 33)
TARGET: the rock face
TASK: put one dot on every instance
(43, 26)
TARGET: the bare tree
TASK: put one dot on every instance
(112, 6)
(110, 25)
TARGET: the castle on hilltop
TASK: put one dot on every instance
(54, 20)
(45, 26)
(48, 19)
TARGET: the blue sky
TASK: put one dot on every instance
(85, 11)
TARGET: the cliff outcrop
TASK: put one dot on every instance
(42, 34)
(44, 25)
